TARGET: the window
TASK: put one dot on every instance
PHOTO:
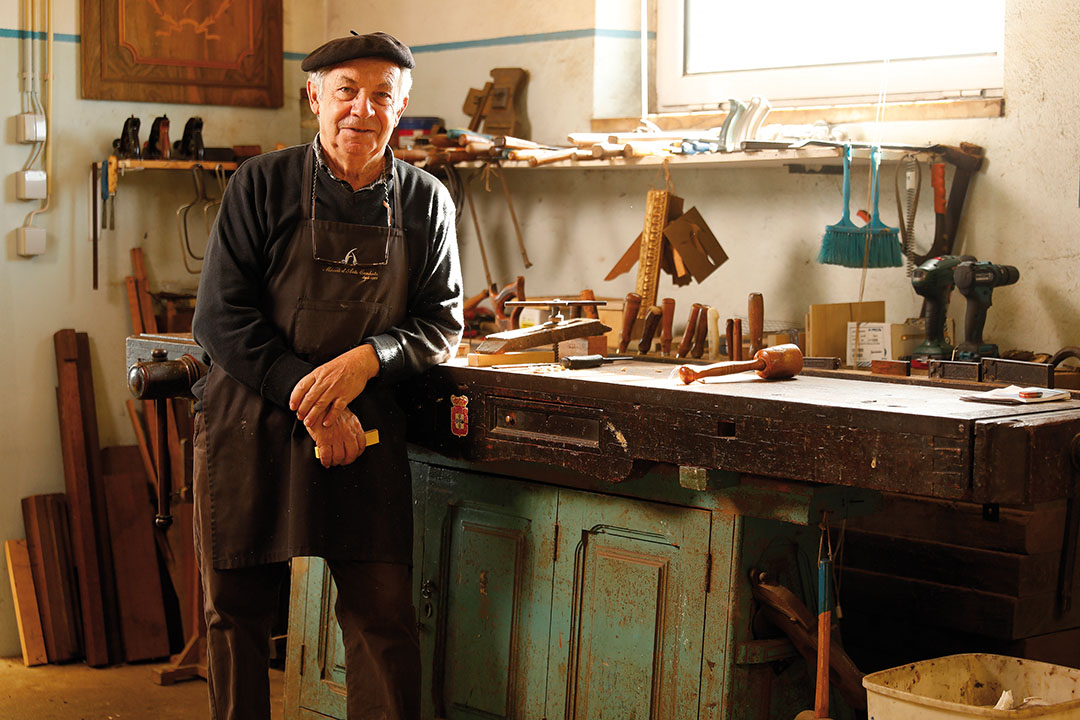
(833, 52)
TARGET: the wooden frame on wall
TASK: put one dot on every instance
(204, 52)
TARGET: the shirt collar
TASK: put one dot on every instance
(384, 178)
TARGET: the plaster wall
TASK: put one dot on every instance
(41, 295)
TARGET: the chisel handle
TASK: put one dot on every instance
(688, 333)
(667, 317)
(630, 311)
(731, 338)
(700, 332)
(736, 339)
(652, 320)
(756, 313)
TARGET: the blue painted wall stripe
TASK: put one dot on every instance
(21, 34)
(534, 38)
(436, 47)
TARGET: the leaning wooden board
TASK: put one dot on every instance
(27, 616)
(922, 440)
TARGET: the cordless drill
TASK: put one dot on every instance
(976, 282)
(933, 280)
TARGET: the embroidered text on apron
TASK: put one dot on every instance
(338, 283)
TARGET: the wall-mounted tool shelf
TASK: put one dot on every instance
(175, 165)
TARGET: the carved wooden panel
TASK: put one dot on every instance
(204, 52)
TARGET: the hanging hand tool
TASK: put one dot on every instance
(688, 333)
(649, 325)
(976, 282)
(701, 331)
(909, 176)
(967, 159)
(756, 318)
(667, 318)
(771, 363)
(581, 362)
(181, 223)
(219, 173)
(630, 311)
(479, 235)
(513, 216)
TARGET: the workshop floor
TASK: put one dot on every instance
(125, 692)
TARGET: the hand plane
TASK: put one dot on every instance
(554, 330)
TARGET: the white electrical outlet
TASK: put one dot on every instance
(29, 241)
(31, 185)
(30, 128)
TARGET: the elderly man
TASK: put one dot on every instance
(331, 275)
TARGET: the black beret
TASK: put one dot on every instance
(351, 47)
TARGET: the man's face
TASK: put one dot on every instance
(358, 107)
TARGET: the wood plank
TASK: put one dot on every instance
(48, 544)
(134, 310)
(27, 616)
(82, 500)
(145, 450)
(97, 476)
(138, 580)
(1014, 574)
(1017, 530)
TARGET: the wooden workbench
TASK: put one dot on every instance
(584, 538)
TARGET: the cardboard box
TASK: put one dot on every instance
(826, 325)
(886, 341)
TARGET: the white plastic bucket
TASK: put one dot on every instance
(968, 686)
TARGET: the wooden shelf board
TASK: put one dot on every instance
(174, 165)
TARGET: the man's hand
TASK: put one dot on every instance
(340, 443)
(324, 393)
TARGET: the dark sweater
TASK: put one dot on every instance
(258, 214)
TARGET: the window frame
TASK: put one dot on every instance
(973, 76)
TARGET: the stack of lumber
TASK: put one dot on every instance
(87, 579)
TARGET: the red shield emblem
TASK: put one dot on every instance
(459, 415)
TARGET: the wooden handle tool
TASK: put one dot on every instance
(772, 363)
(589, 311)
(666, 319)
(736, 338)
(756, 314)
(688, 333)
(651, 322)
(629, 315)
(697, 349)
(371, 437)
(714, 334)
(730, 336)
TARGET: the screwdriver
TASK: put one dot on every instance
(580, 362)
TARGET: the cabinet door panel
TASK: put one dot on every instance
(628, 609)
(487, 567)
(322, 684)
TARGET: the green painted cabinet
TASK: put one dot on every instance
(533, 601)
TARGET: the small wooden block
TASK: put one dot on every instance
(592, 345)
(901, 368)
(512, 358)
(955, 370)
(821, 363)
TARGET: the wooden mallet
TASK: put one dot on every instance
(771, 363)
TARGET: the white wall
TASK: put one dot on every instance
(1023, 210)
(44, 294)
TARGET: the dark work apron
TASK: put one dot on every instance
(270, 499)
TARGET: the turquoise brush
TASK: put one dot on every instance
(849, 245)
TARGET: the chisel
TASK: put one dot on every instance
(580, 362)
(371, 437)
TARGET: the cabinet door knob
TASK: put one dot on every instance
(427, 589)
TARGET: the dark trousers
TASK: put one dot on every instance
(374, 609)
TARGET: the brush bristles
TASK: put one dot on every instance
(846, 246)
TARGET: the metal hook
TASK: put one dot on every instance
(181, 222)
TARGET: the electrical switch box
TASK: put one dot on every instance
(31, 185)
(30, 128)
(29, 241)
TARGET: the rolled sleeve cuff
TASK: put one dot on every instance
(282, 378)
(390, 354)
